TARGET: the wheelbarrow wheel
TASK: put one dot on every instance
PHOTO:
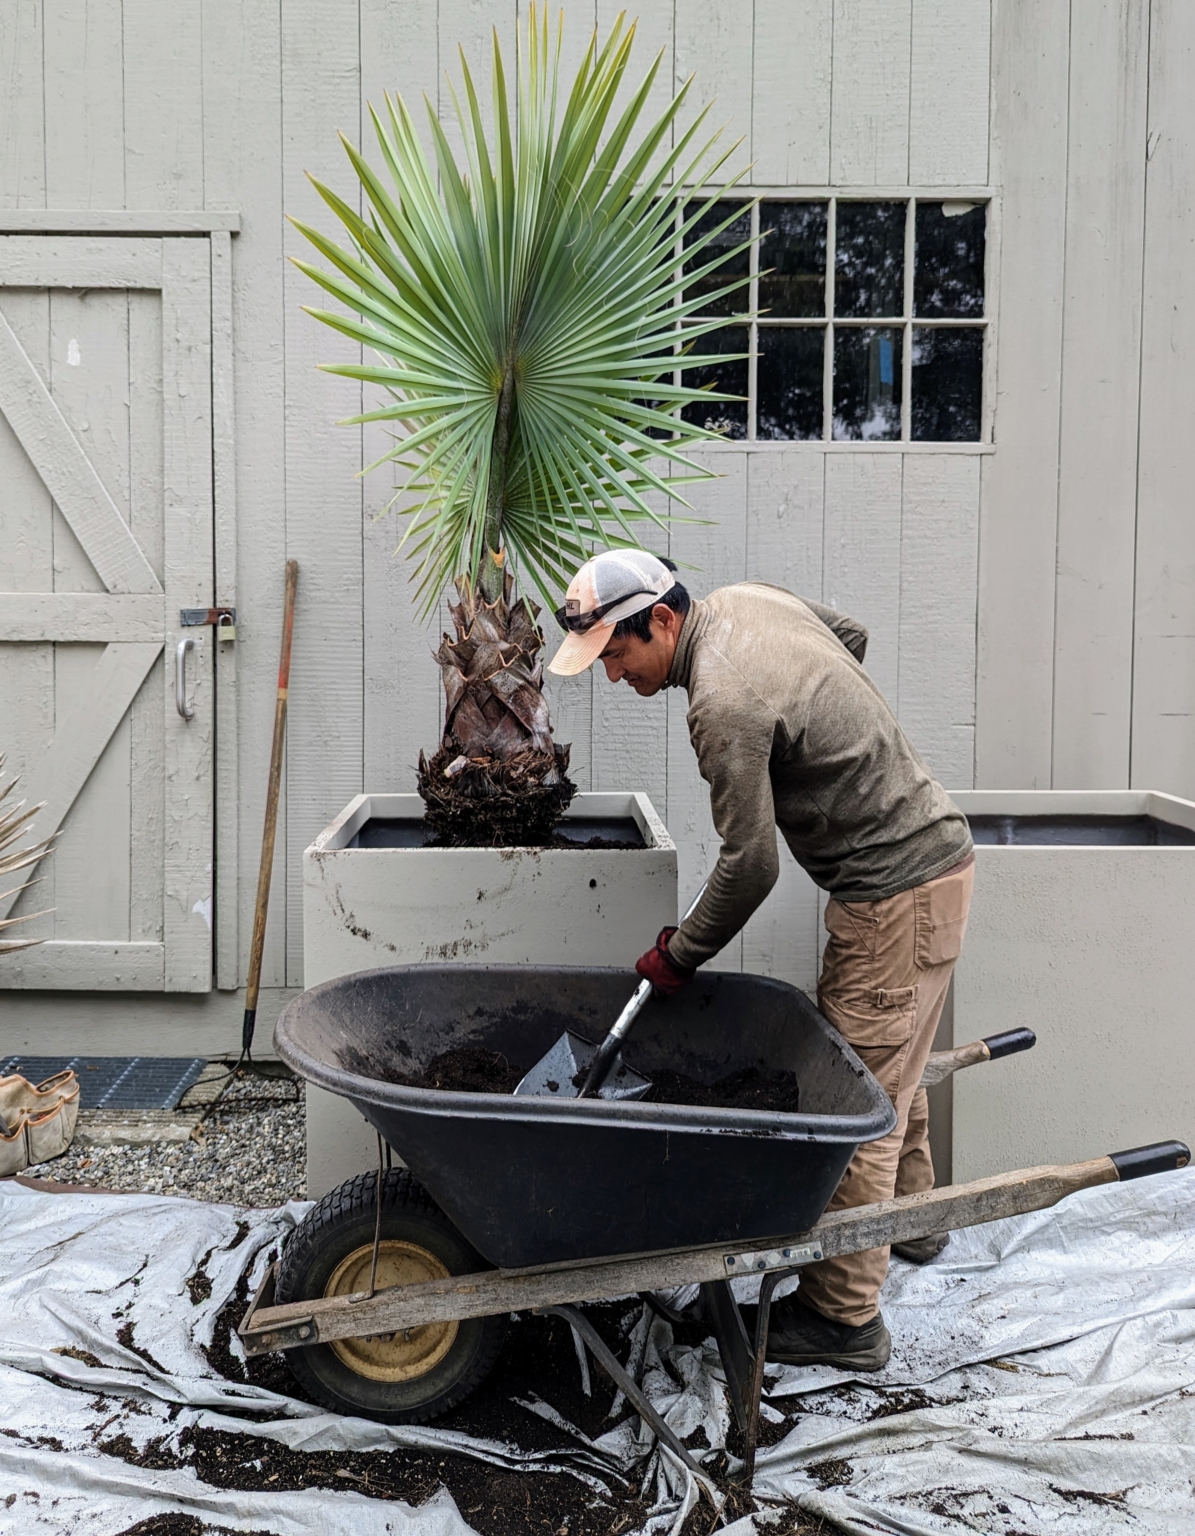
(400, 1378)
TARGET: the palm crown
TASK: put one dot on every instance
(525, 314)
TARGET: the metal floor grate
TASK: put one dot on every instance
(116, 1082)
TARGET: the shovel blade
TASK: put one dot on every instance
(562, 1072)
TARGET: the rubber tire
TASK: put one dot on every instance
(343, 1221)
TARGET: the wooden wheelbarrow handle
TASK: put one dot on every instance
(900, 1220)
(942, 1064)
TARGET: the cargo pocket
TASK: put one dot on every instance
(940, 916)
(883, 1018)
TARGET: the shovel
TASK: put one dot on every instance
(575, 1068)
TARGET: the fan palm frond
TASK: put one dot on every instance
(524, 311)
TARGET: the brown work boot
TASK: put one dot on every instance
(922, 1249)
(798, 1335)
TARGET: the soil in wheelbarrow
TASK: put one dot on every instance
(538, 1363)
(749, 1089)
(473, 1069)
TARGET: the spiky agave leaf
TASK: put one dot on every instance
(525, 311)
(15, 854)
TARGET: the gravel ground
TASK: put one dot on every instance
(249, 1153)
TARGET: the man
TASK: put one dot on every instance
(790, 732)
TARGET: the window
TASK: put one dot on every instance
(870, 322)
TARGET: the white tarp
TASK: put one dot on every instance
(1085, 1421)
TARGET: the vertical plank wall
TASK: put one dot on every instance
(1087, 574)
(1163, 726)
(1030, 608)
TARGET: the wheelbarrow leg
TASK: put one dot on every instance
(743, 1361)
(625, 1382)
(734, 1347)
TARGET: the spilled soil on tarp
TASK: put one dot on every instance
(538, 1361)
(473, 1069)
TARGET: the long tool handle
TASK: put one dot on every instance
(266, 868)
(603, 1059)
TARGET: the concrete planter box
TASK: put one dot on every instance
(373, 897)
(1093, 946)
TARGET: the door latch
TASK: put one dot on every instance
(224, 619)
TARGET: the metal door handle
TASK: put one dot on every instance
(187, 711)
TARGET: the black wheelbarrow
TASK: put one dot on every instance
(392, 1296)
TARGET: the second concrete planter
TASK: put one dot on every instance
(1083, 928)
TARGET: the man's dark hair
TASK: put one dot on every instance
(638, 625)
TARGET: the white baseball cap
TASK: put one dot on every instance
(610, 587)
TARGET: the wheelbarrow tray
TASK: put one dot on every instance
(533, 1181)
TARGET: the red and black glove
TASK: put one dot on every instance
(658, 966)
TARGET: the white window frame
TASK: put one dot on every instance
(905, 322)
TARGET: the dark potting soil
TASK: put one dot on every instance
(466, 1069)
(473, 1069)
(553, 842)
(177, 1525)
(538, 1360)
(592, 842)
(778, 1091)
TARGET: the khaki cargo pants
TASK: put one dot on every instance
(885, 973)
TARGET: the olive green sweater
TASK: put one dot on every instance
(790, 732)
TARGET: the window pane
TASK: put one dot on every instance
(869, 266)
(735, 303)
(789, 380)
(795, 245)
(726, 416)
(947, 384)
(866, 384)
(948, 270)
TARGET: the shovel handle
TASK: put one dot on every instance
(604, 1056)
(603, 1059)
(622, 1025)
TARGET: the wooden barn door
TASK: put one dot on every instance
(105, 534)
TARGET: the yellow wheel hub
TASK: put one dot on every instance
(411, 1352)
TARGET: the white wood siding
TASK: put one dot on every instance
(1031, 607)
(1162, 749)
(1015, 679)
(1085, 600)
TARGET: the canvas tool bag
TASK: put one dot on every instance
(37, 1122)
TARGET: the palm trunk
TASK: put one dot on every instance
(498, 779)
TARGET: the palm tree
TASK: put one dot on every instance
(525, 317)
(14, 825)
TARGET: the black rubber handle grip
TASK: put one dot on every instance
(1160, 1157)
(1010, 1042)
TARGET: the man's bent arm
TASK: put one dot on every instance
(733, 747)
